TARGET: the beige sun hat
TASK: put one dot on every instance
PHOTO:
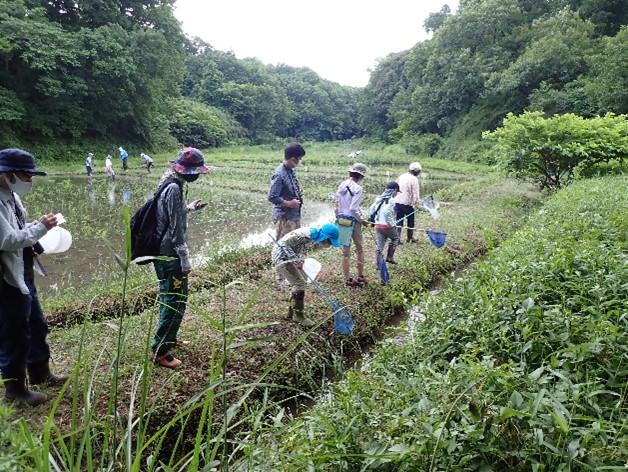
(358, 168)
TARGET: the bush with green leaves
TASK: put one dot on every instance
(520, 365)
(552, 151)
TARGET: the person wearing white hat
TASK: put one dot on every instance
(350, 220)
(407, 200)
(23, 327)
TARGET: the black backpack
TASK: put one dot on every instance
(372, 216)
(144, 238)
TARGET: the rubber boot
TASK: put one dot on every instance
(391, 254)
(39, 373)
(410, 236)
(297, 307)
(16, 391)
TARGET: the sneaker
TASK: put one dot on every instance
(166, 360)
(351, 282)
(413, 240)
(362, 281)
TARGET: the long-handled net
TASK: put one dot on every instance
(344, 322)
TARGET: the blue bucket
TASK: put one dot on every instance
(436, 238)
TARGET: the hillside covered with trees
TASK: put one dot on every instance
(90, 72)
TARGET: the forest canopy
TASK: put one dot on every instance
(123, 72)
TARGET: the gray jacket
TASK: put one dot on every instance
(13, 239)
(172, 218)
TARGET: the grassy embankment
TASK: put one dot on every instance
(519, 365)
(241, 347)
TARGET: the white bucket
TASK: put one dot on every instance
(56, 240)
(311, 267)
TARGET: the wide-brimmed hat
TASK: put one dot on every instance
(328, 231)
(189, 161)
(358, 168)
(18, 160)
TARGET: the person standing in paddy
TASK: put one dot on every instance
(173, 273)
(124, 157)
(88, 165)
(350, 221)
(148, 160)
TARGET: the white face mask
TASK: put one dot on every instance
(20, 187)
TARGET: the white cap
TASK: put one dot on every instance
(415, 166)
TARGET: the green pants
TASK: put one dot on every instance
(173, 295)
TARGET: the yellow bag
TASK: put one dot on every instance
(344, 221)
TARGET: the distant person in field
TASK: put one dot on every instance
(111, 174)
(173, 274)
(408, 201)
(350, 221)
(124, 157)
(89, 165)
(287, 256)
(147, 160)
(285, 192)
(23, 327)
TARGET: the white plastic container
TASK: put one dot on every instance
(311, 267)
(56, 240)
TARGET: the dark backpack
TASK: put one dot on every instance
(144, 238)
(373, 215)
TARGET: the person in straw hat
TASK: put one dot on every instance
(350, 220)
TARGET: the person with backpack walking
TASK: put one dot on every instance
(287, 256)
(408, 200)
(383, 217)
(23, 327)
(173, 273)
(350, 221)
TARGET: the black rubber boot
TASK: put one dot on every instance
(411, 236)
(16, 391)
(40, 373)
(297, 307)
(390, 254)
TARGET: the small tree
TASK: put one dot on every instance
(550, 150)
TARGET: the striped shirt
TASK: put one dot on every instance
(293, 246)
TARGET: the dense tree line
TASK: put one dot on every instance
(495, 57)
(122, 71)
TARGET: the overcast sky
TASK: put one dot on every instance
(339, 39)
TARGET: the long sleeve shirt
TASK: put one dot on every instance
(172, 218)
(409, 189)
(349, 197)
(13, 240)
(284, 185)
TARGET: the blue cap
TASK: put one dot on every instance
(328, 231)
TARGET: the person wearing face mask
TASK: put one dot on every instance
(23, 327)
(285, 192)
(173, 273)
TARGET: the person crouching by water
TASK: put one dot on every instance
(385, 220)
(173, 273)
(287, 256)
(23, 327)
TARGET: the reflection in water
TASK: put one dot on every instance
(111, 192)
(126, 195)
(91, 192)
